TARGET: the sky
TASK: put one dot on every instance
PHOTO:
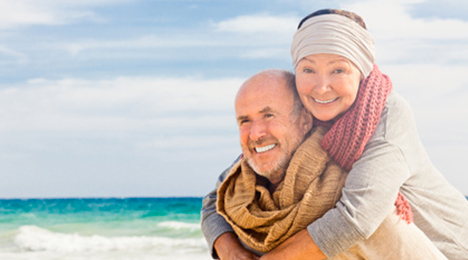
(135, 98)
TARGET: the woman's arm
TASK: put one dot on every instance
(365, 203)
(214, 225)
(373, 183)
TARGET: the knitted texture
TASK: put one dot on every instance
(348, 136)
(263, 220)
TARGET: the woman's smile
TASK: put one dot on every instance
(324, 101)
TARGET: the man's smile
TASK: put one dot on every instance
(264, 148)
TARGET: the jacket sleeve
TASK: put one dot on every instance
(214, 225)
(371, 187)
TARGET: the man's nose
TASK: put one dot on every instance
(258, 130)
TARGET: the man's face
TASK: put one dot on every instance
(269, 132)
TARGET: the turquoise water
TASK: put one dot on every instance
(133, 228)
(98, 229)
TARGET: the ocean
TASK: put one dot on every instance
(101, 228)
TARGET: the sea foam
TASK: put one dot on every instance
(180, 225)
(33, 238)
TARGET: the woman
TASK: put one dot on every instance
(372, 134)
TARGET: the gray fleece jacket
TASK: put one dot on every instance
(393, 160)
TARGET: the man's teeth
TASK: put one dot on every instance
(325, 101)
(264, 148)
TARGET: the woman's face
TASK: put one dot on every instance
(327, 84)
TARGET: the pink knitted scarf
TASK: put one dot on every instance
(346, 139)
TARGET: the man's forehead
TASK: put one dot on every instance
(266, 110)
(246, 111)
(263, 94)
(251, 110)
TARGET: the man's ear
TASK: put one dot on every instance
(307, 121)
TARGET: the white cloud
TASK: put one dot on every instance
(260, 23)
(263, 35)
(435, 92)
(47, 12)
(394, 22)
(143, 42)
(189, 142)
(14, 13)
(274, 33)
(404, 39)
(122, 103)
(20, 58)
(262, 53)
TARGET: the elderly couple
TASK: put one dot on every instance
(332, 166)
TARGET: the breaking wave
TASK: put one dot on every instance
(33, 238)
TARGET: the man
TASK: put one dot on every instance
(272, 125)
(269, 133)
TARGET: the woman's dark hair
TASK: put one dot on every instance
(344, 13)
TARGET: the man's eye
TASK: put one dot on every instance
(338, 71)
(268, 115)
(306, 70)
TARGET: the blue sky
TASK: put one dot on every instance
(135, 98)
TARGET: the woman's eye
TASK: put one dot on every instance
(338, 71)
(306, 70)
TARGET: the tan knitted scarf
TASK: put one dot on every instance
(312, 185)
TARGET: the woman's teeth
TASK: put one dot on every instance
(325, 101)
(264, 148)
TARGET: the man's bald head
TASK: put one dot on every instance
(272, 122)
(270, 79)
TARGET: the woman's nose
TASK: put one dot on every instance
(322, 84)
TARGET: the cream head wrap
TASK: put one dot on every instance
(335, 34)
